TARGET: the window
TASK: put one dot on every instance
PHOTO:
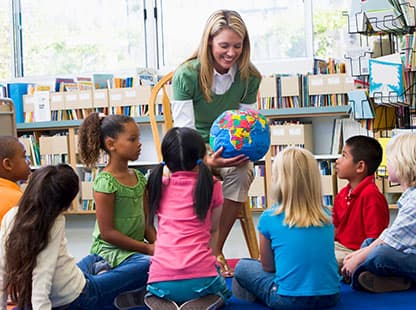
(5, 41)
(331, 37)
(278, 30)
(82, 36)
(86, 36)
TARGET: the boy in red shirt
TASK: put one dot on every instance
(360, 209)
(13, 168)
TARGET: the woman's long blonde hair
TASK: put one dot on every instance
(296, 188)
(219, 20)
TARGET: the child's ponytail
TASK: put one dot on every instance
(203, 190)
(89, 139)
(154, 189)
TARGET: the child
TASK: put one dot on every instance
(119, 194)
(14, 167)
(360, 209)
(297, 267)
(35, 267)
(188, 204)
(389, 262)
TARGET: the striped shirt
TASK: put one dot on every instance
(402, 233)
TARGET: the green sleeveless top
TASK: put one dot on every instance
(128, 215)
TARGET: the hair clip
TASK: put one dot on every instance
(162, 163)
(199, 161)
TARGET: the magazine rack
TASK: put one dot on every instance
(7, 118)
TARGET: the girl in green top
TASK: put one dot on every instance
(121, 236)
(219, 76)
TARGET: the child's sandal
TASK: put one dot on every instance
(226, 270)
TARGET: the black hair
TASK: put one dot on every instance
(182, 149)
(366, 149)
(50, 191)
(8, 146)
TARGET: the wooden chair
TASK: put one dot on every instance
(7, 117)
(161, 95)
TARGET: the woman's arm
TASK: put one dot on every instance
(104, 205)
(183, 113)
(266, 254)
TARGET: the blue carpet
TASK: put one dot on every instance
(350, 299)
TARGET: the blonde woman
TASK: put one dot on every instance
(218, 77)
(297, 268)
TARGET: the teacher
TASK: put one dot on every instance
(219, 76)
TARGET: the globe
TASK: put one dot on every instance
(241, 132)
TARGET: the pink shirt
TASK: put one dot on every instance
(182, 250)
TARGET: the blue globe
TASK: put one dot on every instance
(241, 132)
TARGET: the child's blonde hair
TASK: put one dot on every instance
(401, 155)
(296, 188)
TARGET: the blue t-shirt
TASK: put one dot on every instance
(304, 257)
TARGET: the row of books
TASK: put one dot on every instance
(56, 106)
(297, 91)
(257, 195)
(86, 197)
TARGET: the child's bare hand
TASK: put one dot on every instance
(150, 248)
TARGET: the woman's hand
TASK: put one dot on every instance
(217, 161)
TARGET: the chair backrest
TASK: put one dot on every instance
(7, 118)
(160, 96)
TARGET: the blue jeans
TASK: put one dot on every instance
(100, 290)
(182, 290)
(386, 261)
(250, 275)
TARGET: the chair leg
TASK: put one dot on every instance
(247, 224)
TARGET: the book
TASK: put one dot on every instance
(41, 106)
(59, 83)
(103, 80)
(15, 91)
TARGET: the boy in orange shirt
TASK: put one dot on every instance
(360, 209)
(14, 167)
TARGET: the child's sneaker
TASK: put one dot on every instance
(157, 303)
(208, 302)
(130, 299)
(380, 284)
(241, 293)
(101, 267)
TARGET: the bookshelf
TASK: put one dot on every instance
(118, 100)
(57, 141)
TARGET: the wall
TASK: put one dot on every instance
(79, 230)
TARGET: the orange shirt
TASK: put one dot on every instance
(10, 194)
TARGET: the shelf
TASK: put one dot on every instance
(307, 112)
(270, 113)
(80, 212)
(71, 123)
(257, 210)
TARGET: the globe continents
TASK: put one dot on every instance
(241, 132)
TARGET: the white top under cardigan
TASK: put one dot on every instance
(56, 279)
